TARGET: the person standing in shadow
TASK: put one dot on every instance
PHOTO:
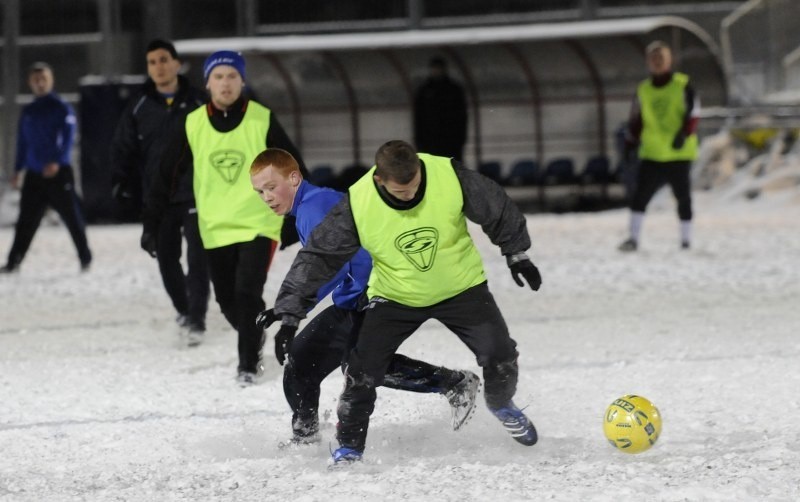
(440, 114)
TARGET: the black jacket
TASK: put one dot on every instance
(141, 136)
(177, 164)
(334, 241)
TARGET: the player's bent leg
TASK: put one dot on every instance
(460, 387)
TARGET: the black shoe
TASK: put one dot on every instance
(685, 245)
(628, 246)
(85, 266)
(246, 379)
(182, 320)
(196, 334)
(305, 428)
(9, 268)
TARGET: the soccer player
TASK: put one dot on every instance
(663, 121)
(409, 213)
(215, 144)
(324, 342)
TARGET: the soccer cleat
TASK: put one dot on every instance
(462, 398)
(628, 246)
(344, 455)
(516, 423)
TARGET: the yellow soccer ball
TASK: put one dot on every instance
(632, 424)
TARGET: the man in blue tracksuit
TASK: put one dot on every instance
(44, 140)
(325, 341)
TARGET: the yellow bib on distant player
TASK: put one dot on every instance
(423, 255)
(663, 110)
(228, 209)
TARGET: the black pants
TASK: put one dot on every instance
(472, 315)
(189, 291)
(39, 193)
(239, 272)
(654, 175)
(322, 346)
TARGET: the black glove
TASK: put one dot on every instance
(265, 318)
(520, 264)
(679, 140)
(148, 243)
(283, 341)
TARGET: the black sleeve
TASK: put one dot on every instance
(277, 138)
(125, 155)
(176, 161)
(331, 244)
(488, 205)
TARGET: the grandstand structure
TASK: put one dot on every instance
(548, 85)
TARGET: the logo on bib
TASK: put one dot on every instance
(228, 163)
(419, 247)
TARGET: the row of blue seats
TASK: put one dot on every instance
(524, 172)
(559, 171)
(325, 176)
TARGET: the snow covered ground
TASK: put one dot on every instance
(98, 401)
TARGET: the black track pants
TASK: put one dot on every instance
(188, 292)
(238, 273)
(37, 195)
(472, 315)
(322, 346)
(654, 175)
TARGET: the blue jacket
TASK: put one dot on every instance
(45, 134)
(311, 205)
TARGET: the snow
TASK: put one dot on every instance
(99, 401)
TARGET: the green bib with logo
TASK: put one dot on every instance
(228, 209)
(663, 110)
(423, 255)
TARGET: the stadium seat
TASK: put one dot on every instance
(349, 175)
(560, 171)
(322, 176)
(597, 170)
(490, 169)
(523, 172)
